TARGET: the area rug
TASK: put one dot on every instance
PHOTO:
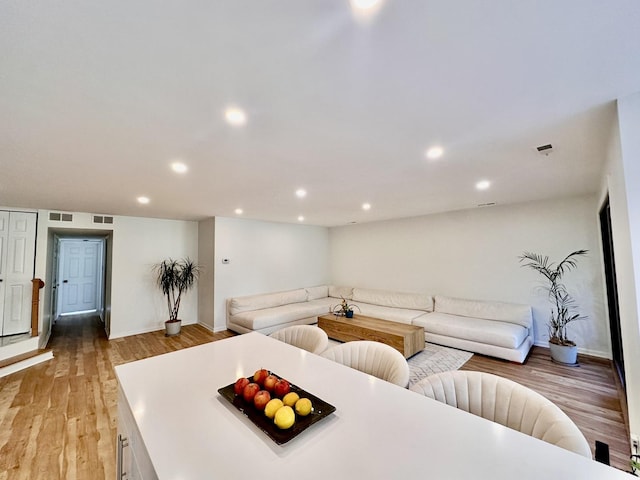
(435, 359)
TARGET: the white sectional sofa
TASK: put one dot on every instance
(498, 329)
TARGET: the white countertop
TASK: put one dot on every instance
(379, 430)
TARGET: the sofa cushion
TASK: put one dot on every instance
(324, 305)
(412, 301)
(400, 315)
(491, 332)
(268, 317)
(340, 292)
(499, 311)
(268, 300)
(321, 291)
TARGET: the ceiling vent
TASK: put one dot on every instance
(488, 204)
(545, 150)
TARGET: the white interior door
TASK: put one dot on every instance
(78, 275)
(17, 259)
(4, 237)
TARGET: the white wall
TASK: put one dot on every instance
(622, 177)
(266, 257)
(474, 254)
(137, 305)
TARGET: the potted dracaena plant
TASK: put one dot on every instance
(175, 277)
(563, 307)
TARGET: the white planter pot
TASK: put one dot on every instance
(564, 354)
(172, 328)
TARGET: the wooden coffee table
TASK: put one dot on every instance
(407, 339)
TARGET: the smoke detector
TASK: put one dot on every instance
(545, 150)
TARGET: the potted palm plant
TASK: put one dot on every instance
(563, 307)
(175, 277)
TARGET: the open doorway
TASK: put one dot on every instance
(80, 266)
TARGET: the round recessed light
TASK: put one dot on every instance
(235, 116)
(239, 211)
(179, 167)
(483, 184)
(300, 218)
(434, 153)
(143, 200)
(364, 4)
(301, 193)
(366, 206)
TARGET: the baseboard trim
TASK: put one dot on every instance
(582, 351)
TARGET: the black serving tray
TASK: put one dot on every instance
(321, 409)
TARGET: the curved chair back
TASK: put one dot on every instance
(307, 337)
(506, 402)
(374, 358)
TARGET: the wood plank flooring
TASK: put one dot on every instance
(58, 419)
(588, 394)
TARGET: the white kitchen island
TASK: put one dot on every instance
(175, 426)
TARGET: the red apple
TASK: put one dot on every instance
(250, 391)
(238, 388)
(270, 382)
(260, 375)
(261, 399)
(281, 388)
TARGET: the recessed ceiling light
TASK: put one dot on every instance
(143, 200)
(301, 193)
(300, 218)
(239, 211)
(364, 4)
(483, 184)
(434, 153)
(366, 206)
(235, 116)
(179, 167)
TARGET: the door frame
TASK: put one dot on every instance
(611, 289)
(53, 255)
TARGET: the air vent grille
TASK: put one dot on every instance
(545, 150)
(60, 217)
(488, 204)
(102, 219)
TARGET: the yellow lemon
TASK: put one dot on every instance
(285, 418)
(290, 399)
(272, 407)
(304, 407)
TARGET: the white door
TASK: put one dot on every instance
(78, 275)
(4, 238)
(17, 258)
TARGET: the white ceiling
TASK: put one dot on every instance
(98, 98)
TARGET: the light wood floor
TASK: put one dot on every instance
(58, 419)
(588, 394)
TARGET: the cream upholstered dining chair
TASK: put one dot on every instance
(307, 337)
(506, 402)
(374, 358)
